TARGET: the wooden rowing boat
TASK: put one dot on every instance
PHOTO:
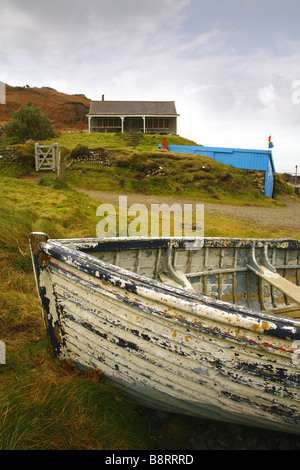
(207, 328)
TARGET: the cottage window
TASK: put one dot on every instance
(109, 122)
(158, 123)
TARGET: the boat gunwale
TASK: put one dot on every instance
(163, 242)
(63, 251)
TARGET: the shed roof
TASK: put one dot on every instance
(249, 159)
(134, 108)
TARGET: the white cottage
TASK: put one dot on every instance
(149, 117)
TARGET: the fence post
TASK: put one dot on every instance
(60, 165)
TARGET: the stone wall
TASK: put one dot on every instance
(96, 156)
(110, 158)
(9, 155)
(258, 179)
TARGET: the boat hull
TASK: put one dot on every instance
(169, 348)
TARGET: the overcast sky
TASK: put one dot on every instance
(231, 66)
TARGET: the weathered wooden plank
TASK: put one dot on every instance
(286, 287)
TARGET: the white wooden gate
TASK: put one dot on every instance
(46, 157)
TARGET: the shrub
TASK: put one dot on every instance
(79, 151)
(54, 183)
(28, 122)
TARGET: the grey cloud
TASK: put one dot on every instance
(59, 32)
(225, 63)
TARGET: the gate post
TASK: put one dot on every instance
(36, 153)
(60, 165)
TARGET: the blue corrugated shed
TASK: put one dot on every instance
(239, 158)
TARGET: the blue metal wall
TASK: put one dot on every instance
(239, 158)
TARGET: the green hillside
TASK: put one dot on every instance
(110, 162)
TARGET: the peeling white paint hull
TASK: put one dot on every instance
(171, 347)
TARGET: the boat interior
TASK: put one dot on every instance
(260, 274)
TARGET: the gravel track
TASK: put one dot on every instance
(288, 216)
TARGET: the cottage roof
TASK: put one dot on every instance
(133, 108)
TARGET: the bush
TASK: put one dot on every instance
(79, 151)
(28, 122)
(54, 183)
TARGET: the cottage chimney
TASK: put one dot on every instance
(102, 97)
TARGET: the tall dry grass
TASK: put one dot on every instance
(45, 404)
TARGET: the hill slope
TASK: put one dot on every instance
(107, 162)
(66, 111)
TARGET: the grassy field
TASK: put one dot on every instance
(45, 404)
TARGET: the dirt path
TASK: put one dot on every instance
(288, 216)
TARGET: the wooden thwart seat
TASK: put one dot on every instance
(286, 287)
(268, 273)
(291, 311)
